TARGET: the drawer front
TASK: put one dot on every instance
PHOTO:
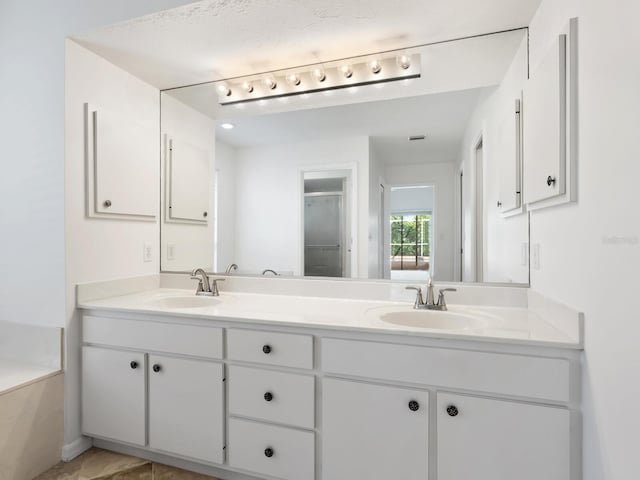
(153, 336)
(291, 451)
(519, 375)
(270, 348)
(274, 396)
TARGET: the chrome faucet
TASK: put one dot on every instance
(233, 267)
(206, 287)
(430, 303)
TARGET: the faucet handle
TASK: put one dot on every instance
(441, 301)
(419, 301)
(213, 282)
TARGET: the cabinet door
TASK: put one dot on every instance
(488, 439)
(185, 407)
(113, 395)
(508, 151)
(544, 127)
(374, 432)
(188, 182)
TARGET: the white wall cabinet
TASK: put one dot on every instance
(122, 164)
(113, 394)
(187, 182)
(374, 432)
(487, 439)
(186, 407)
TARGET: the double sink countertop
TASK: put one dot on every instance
(497, 324)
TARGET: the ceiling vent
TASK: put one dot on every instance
(413, 138)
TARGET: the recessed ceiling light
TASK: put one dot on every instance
(227, 126)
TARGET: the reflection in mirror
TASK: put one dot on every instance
(404, 180)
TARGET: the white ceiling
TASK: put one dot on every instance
(216, 39)
(441, 117)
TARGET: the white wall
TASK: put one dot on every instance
(268, 202)
(99, 249)
(590, 251)
(503, 238)
(441, 176)
(192, 243)
(225, 247)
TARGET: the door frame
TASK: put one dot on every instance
(350, 205)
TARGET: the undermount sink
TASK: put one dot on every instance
(430, 319)
(181, 302)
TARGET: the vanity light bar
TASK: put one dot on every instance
(319, 78)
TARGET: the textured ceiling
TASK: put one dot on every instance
(217, 39)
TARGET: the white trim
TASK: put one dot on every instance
(76, 448)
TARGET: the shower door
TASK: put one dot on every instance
(324, 235)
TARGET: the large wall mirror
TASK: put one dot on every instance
(401, 180)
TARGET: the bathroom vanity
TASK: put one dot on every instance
(246, 385)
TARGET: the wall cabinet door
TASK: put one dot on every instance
(508, 151)
(545, 126)
(374, 432)
(113, 394)
(185, 407)
(488, 439)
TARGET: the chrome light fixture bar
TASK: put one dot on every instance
(319, 78)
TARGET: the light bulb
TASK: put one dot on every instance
(404, 61)
(375, 66)
(247, 87)
(224, 90)
(293, 79)
(347, 71)
(318, 74)
(270, 83)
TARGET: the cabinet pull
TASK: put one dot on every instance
(268, 396)
(157, 368)
(414, 406)
(268, 452)
(499, 203)
(134, 364)
(551, 180)
(107, 203)
(452, 410)
(266, 349)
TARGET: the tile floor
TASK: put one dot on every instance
(97, 464)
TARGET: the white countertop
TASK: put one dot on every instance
(507, 325)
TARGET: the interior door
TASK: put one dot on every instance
(186, 407)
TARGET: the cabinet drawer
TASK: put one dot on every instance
(519, 375)
(153, 336)
(291, 451)
(270, 348)
(274, 396)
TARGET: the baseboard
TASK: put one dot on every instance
(75, 448)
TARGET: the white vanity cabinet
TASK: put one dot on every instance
(246, 401)
(374, 432)
(491, 439)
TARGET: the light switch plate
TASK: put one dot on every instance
(147, 253)
(535, 256)
(171, 251)
(524, 254)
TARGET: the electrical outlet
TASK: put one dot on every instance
(535, 256)
(147, 253)
(524, 254)
(171, 251)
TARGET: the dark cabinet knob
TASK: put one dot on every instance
(268, 396)
(268, 452)
(134, 364)
(414, 406)
(452, 410)
(551, 180)
(157, 368)
(107, 203)
(266, 349)
(205, 214)
(499, 203)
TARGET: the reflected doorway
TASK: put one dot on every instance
(411, 233)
